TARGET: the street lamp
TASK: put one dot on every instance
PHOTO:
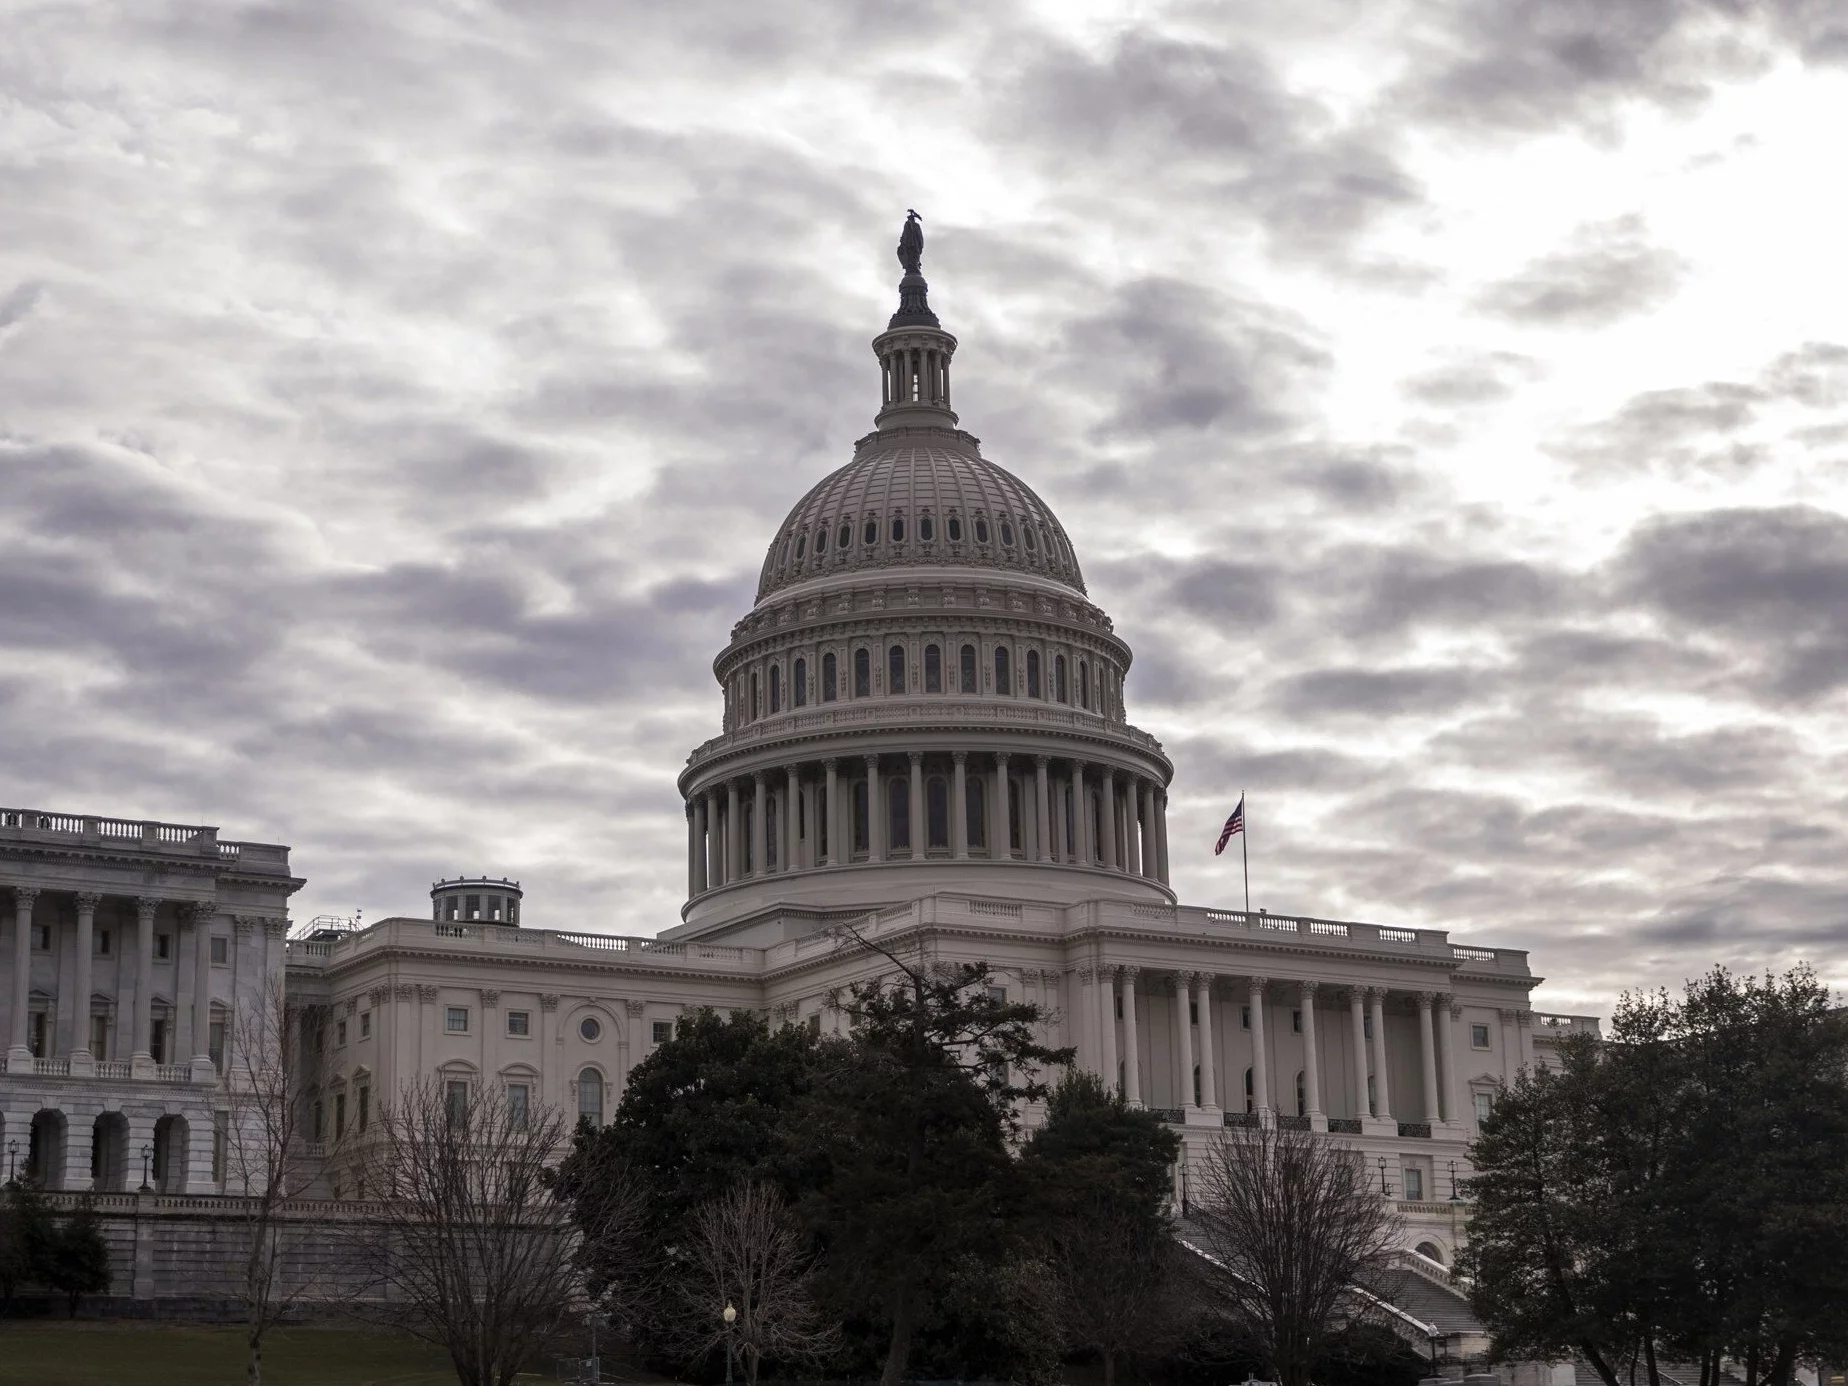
(146, 1152)
(1455, 1197)
(1384, 1191)
(731, 1317)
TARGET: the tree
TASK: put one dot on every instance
(26, 1232)
(470, 1246)
(1100, 1172)
(77, 1257)
(267, 1158)
(744, 1253)
(1291, 1226)
(914, 1135)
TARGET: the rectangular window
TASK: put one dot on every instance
(1244, 1017)
(662, 1030)
(1478, 1037)
(35, 1034)
(1119, 1007)
(365, 1024)
(340, 1033)
(455, 1099)
(365, 1107)
(814, 1023)
(474, 908)
(1366, 1026)
(158, 1045)
(998, 995)
(215, 1038)
(1485, 1106)
(99, 943)
(1414, 1184)
(163, 947)
(1296, 1022)
(1193, 1012)
(339, 1115)
(455, 1020)
(221, 950)
(41, 938)
(516, 1106)
(519, 1022)
(99, 1037)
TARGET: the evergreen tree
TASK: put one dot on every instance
(77, 1257)
(26, 1234)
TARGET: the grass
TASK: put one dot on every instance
(91, 1353)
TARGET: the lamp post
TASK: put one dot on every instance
(1384, 1191)
(731, 1317)
(12, 1155)
(146, 1152)
(1455, 1197)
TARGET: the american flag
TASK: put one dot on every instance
(1234, 824)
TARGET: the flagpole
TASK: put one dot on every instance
(1244, 848)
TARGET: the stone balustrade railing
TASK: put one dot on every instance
(144, 834)
(540, 943)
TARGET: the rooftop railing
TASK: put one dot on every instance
(144, 834)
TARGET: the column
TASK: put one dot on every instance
(1454, 1095)
(1132, 846)
(734, 834)
(1427, 1057)
(1083, 1017)
(693, 886)
(1382, 1090)
(920, 830)
(1161, 839)
(87, 901)
(1132, 1062)
(17, 1050)
(1081, 836)
(760, 838)
(1209, 1059)
(144, 978)
(1357, 1011)
(1042, 818)
(1106, 1033)
(1183, 1021)
(1312, 1058)
(1000, 838)
(876, 818)
(792, 799)
(1149, 854)
(1106, 804)
(1260, 1051)
(833, 786)
(715, 849)
(959, 806)
(202, 983)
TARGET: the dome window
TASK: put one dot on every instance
(801, 547)
(1059, 689)
(1007, 534)
(798, 685)
(968, 669)
(871, 536)
(1004, 676)
(981, 530)
(895, 670)
(821, 541)
(955, 529)
(926, 530)
(862, 673)
(828, 689)
(844, 540)
(776, 688)
(1026, 532)
(898, 529)
(1033, 674)
(933, 669)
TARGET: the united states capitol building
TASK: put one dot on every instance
(925, 737)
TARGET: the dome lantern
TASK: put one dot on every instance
(914, 351)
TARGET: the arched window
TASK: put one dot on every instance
(757, 698)
(1084, 684)
(933, 669)
(590, 1096)
(827, 678)
(895, 670)
(776, 688)
(862, 822)
(1251, 1104)
(862, 673)
(898, 814)
(937, 812)
(1058, 679)
(1430, 1251)
(1004, 674)
(1033, 674)
(1302, 1100)
(975, 799)
(968, 668)
(798, 692)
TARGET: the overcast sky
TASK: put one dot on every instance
(1449, 401)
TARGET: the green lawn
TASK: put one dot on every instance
(136, 1354)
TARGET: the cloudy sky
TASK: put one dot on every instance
(1449, 401)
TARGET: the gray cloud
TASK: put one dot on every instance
(1606, 271)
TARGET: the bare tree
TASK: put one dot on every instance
(1118, 1287)
(746, 1254)
(269, 1158)
(472, 1252)
(1291, 1226)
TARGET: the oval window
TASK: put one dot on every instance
(871, 536)
(1007, 534)
(1027, 534)
(821, 540)
(955, 529)
(845, 538)
(981, 530)
(898, 528)
(590, 1029)
(926, 530)
(801, 545)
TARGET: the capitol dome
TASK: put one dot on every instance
(922, 696)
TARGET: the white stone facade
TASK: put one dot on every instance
(126, 950)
